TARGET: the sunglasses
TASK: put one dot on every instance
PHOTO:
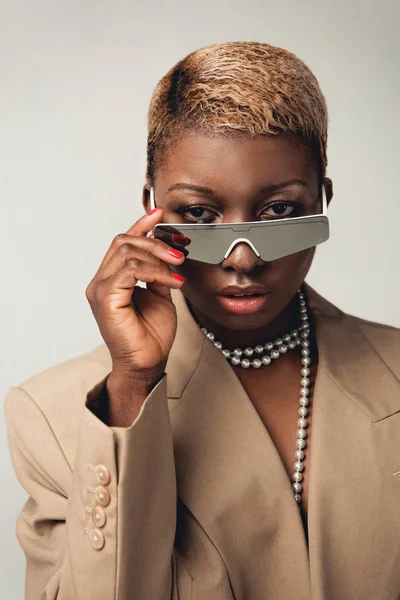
(269, 240)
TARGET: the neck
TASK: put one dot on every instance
(287, 319)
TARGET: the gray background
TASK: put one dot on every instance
(75, 81)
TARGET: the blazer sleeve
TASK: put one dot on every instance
(104, 529)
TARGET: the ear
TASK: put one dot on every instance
(328, 189)
(146, 197)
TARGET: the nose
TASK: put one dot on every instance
(242, 258)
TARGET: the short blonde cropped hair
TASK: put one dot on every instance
(231, 87)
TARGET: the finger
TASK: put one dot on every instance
(143, 248)
(122, 255)
(176, 240)
(122, 283)
(145, 224)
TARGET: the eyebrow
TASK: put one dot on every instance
(273, 187)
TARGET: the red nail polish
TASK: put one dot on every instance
(180, 239)
(175, 253)
(151, 212)
(179, 277)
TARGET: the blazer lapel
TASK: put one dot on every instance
(232, 479)
(229, 473)
(354, 499)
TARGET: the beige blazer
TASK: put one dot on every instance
(192, 502)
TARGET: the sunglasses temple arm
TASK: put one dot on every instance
(324, 203)
(152, 203)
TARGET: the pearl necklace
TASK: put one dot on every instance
(276, 348)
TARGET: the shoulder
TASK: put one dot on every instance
(384, 339)
(56, 397)
(70, 379)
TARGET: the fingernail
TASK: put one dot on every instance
(180, 239)
(151, 212)
(179, 277)
(175, 253)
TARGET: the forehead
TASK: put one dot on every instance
(236, 160)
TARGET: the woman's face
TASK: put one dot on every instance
(232, 174)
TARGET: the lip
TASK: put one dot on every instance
(249, 289)
(243, 305)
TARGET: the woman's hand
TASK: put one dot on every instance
(137, 324)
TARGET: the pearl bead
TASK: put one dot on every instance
(289, 341)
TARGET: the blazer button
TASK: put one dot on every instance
(99, 517)
(103, 474)
(96, 538)
(102, 496)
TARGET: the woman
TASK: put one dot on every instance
(217, 447)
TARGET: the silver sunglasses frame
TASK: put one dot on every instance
(319, 222)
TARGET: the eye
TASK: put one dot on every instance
(281, 210)
(197, 213)
(200, 214)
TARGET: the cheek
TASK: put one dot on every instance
(297, 262)
(290, 271)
